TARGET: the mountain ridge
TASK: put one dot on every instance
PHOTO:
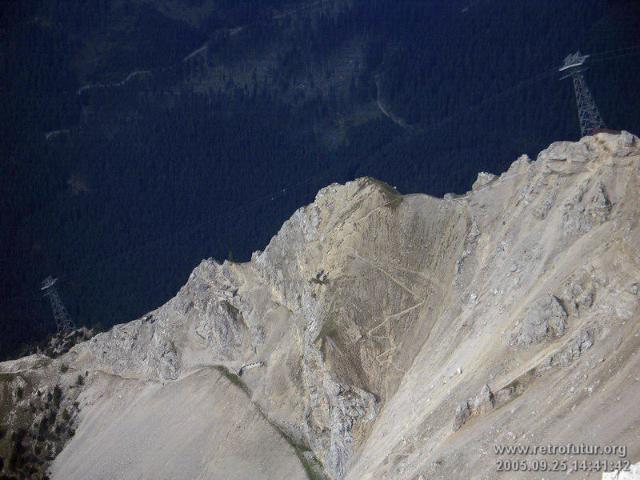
(393, 336)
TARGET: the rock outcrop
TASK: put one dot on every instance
(545, 319)
(376, 319)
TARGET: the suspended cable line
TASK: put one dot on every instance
(615, 57)
(617, 50)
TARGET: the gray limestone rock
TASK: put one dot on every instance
(483, 179)
(567, 153)
(545, 319)
(483, 402)
(625, 145)
(573, 350)
(579, 293)
(461, 415)
(587, 208)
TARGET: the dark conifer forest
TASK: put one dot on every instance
(138, 138)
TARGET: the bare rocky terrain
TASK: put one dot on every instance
(377, 336)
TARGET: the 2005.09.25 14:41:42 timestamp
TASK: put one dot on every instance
(562, 465)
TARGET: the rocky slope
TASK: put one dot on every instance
(378, 336)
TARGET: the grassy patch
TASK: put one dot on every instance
(312, 467)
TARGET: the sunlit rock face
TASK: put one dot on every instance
(380, 336)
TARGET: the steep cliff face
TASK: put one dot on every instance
(382, 336)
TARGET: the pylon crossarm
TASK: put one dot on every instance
(588, 115)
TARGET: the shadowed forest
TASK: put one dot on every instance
(141, 137)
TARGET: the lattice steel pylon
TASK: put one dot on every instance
(60, 314)
(588, 114)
